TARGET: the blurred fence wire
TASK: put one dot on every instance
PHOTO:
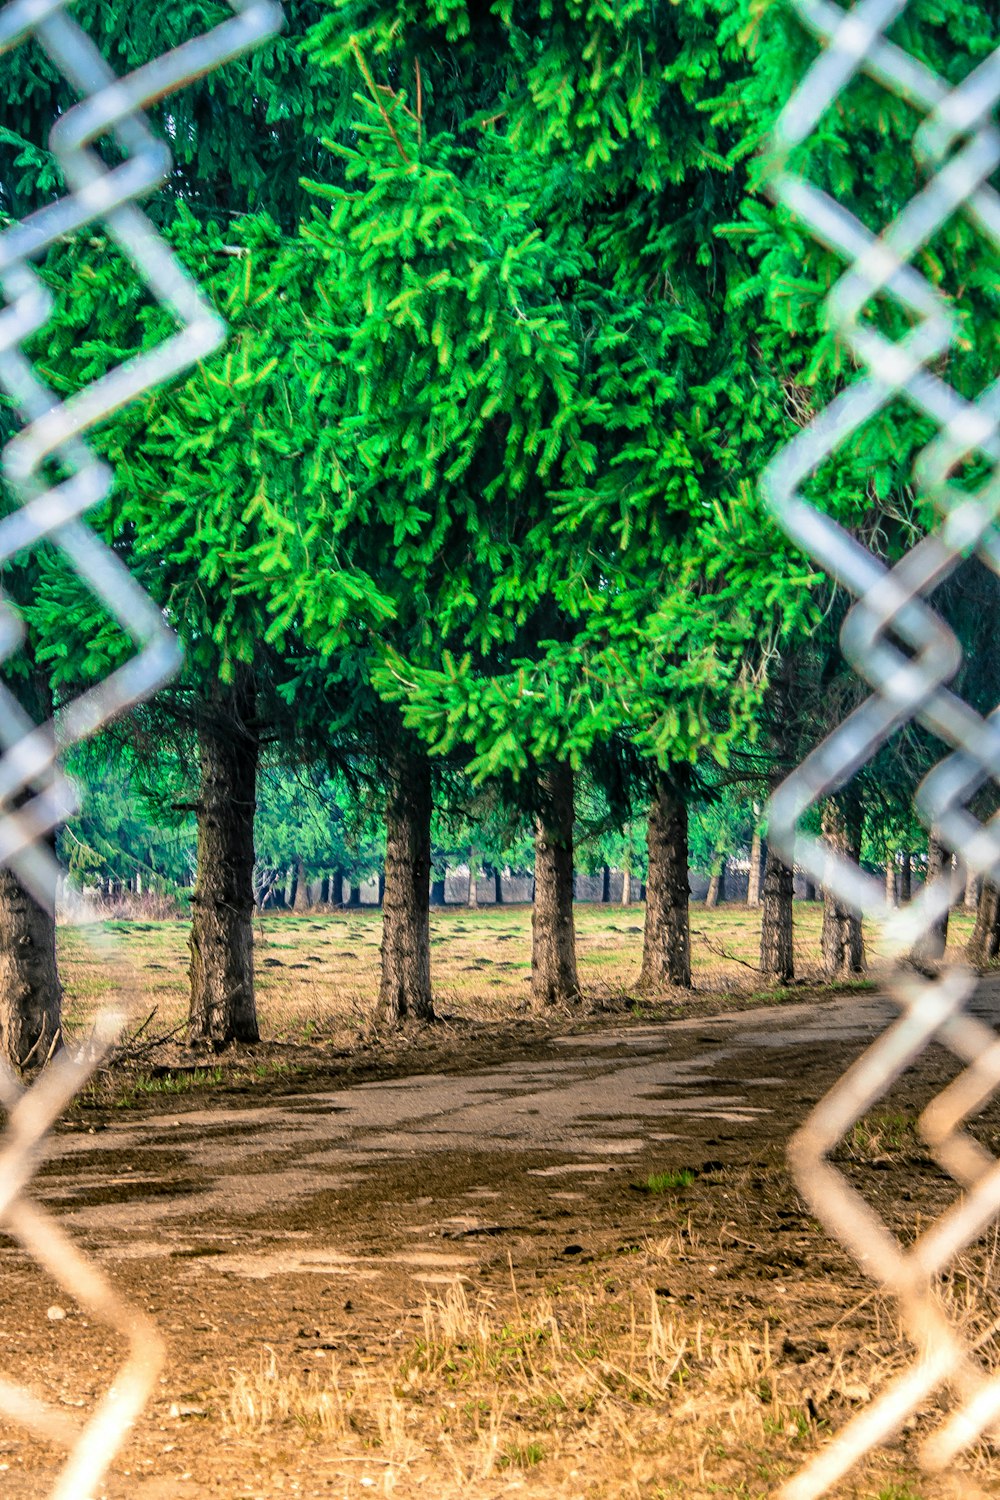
(907, 654)
(54, 478)
(892, 637)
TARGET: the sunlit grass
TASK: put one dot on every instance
(603, 1392)
(317, 973)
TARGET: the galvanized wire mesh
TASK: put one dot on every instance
(35, 795)
(892, 637)
(907, 654)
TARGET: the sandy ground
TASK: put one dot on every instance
(307, 1227)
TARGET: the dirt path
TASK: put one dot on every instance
(311, 1228)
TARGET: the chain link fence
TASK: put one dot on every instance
(36, 796)
(892, 637)
(907, 654)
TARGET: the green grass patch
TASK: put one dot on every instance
(670, 1181)
(520, 1456)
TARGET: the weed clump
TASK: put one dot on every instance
(670, 1181)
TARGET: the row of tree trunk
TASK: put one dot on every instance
(222, 1005)
(290, 889)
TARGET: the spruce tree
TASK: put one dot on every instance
(612, 575)
(241, 138)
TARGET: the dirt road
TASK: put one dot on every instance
(312, 1224)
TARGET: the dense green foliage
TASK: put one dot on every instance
(514, 330)
(241, 137)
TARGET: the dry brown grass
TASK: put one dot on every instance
(317, 974)
(571, 1392)
(571, 1386)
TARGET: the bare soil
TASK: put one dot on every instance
(554, 1264)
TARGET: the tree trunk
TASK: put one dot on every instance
(405, 988)
(266, 892)
(381, 888)
(354, 895)
(984, 944)
(777, 959)
(30, 992)
(324, 890)
(971, 901)
(498, 885)
(626, 887)
(666, 938)
(292, 885)
(301, 901)
(474, 868)
(905, 878)
(553, 939)
(890, 880)
(437, 893)
(810, 889)
(843, 948)
(935, 940)
(758, 861)
(605, 884)
(717, 885)
(223, 1007)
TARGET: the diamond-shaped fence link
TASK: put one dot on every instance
(907, 654)
(35, 796)
(892, 636)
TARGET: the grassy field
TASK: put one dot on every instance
(317, 974)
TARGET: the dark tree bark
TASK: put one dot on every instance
(717, 885)
(843, 948)
(223, 1006)
(324, 890)
(810, 889)
(553, 939)
(605, 884)
(337, 887)
(405, 988)
(666, 938)
(30, 991)
(497, 874)
(905, 878)
(354, 895)
(777, 959)
(934, 942)
(758, 860)
(984, 944)
(381, 888)
(437, 893)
